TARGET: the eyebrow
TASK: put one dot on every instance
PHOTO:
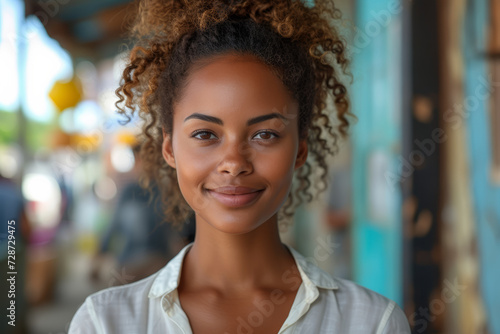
(218, 121)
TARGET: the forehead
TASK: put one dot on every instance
(234, 83)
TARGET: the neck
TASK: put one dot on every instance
(238, 262)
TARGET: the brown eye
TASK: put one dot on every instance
(266, 135)
(204, 135)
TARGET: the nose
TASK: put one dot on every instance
(236, 159)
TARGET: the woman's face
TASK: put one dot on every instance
(235, 143)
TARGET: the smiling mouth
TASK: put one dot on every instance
(236, 200)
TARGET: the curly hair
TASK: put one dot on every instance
(300, 44)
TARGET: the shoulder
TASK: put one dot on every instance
(348, 306)
(379, 313)
(355, 294)
(114, 308)
(124, 293)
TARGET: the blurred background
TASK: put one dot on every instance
(412, 211)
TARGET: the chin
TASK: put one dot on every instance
(236, 225)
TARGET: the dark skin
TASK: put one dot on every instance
(248, 145)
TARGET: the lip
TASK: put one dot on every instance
(235, 196)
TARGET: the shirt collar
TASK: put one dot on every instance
(313, 277)
(310, 272)
(167, 279)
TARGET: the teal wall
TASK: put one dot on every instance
(486, 195)
(376, 100)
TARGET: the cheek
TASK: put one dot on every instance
(191, 162)
(277, 166)
(192, 172)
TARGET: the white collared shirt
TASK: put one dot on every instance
(323, 304)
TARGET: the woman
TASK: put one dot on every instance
(233, 97)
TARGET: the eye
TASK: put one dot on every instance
(203, 135)
(266, 135)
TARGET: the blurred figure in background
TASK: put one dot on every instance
(12, 213)
(137, 237)
(338, 219)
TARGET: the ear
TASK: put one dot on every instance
(301, 154)
(167, 151)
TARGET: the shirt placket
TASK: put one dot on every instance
(174, 313)
(306, 295)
